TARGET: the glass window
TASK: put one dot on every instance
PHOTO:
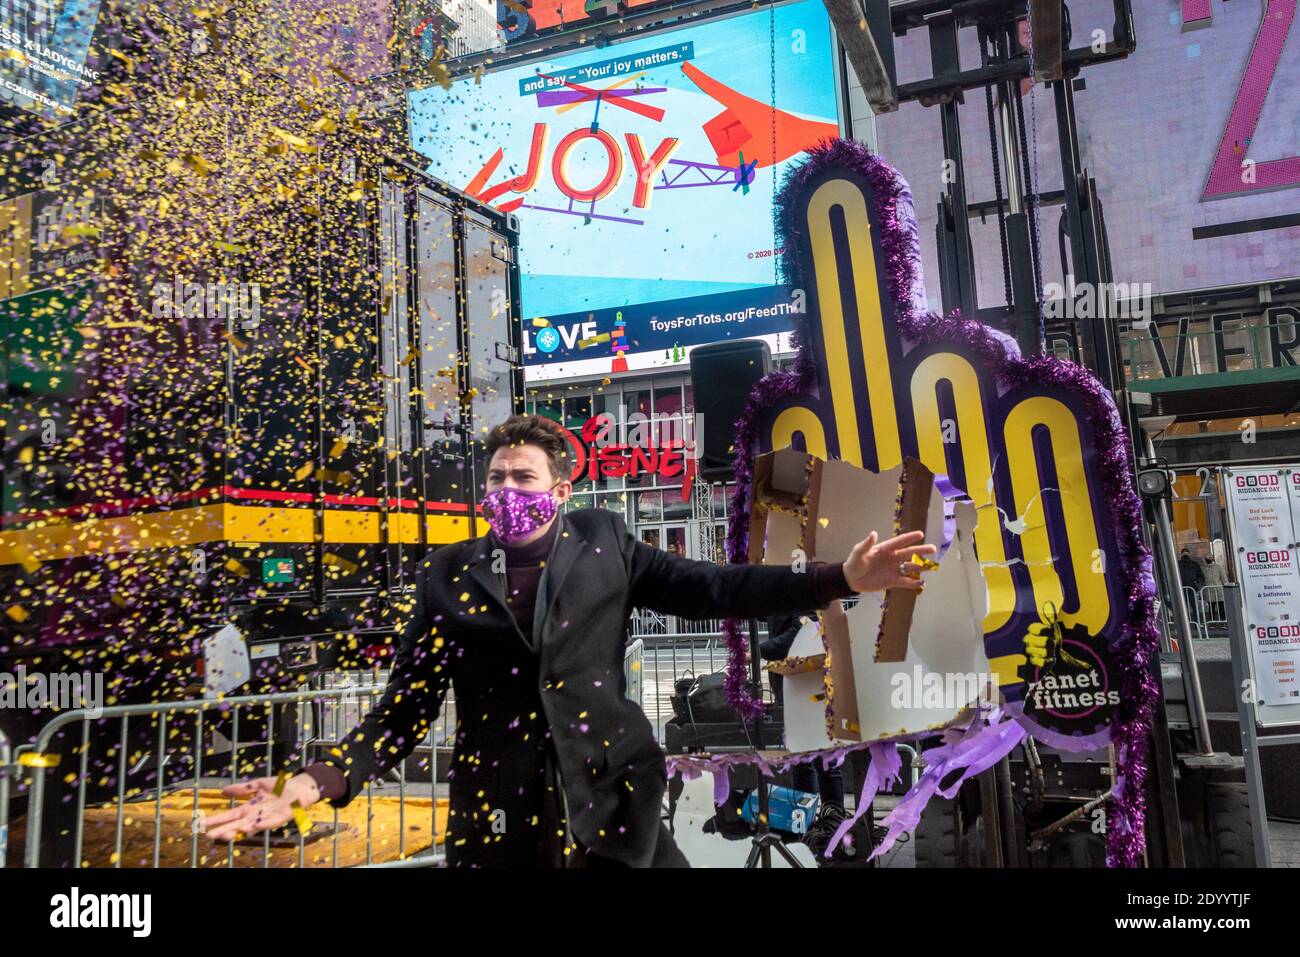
(637, 400)
(675, 540)
(614, 502)
(720, 544)
(577, 410)
(674, 507)
(549, 406)
(722, 498)
(580, 500)
(649, 506)
(668, 400)
(606, 399)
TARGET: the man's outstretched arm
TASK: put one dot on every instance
(416, 687)
(695, 589)
(402, 718)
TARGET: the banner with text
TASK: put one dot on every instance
(1263, 504)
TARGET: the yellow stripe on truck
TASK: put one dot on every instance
(55, 541)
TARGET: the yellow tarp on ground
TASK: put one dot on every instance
(178, 813)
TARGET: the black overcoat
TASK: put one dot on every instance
(509, 697)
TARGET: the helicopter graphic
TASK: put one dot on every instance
(746, 136)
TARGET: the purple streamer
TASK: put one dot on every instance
(881, 772)
(974, 750)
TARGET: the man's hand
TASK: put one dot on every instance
(876, 566)
(265, 810)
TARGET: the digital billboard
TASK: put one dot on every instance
(642, 174)
(1194, 141)
(522, 19)
(45, 46)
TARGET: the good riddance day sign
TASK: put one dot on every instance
(1037, 445)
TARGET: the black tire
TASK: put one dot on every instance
(938, 835)
(1227, 822)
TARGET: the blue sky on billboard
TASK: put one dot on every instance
(642, 176)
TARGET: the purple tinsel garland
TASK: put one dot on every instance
(1138, 639)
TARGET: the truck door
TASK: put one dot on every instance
(401, 530)
(492, 358)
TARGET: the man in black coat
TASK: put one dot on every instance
(553, 765)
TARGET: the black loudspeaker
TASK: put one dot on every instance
(722, 375)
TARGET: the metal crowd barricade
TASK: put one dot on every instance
(6, 769)
(633, 670)
(1214, 612)
(325, 716)
(1195, 613)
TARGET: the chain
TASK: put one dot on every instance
(1033, 184)
(997, 178)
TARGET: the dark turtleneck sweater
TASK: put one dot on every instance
(524, 567)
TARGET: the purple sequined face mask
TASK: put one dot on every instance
(515, 514)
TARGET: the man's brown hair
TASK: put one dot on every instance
(533, 430)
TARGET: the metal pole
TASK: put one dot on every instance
(5, 770)
(756, 683)
(1191, 674)
(1010, 154)
(1025, 285)
(1246, 718)
(991, 817)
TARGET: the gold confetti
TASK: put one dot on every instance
(301, 818)
(541, 322)
(335, 561)
(594, 340)
(17, 613)
(25, 558)
(197, 163)
(130, 63)
(341, 72)
(236, 568)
